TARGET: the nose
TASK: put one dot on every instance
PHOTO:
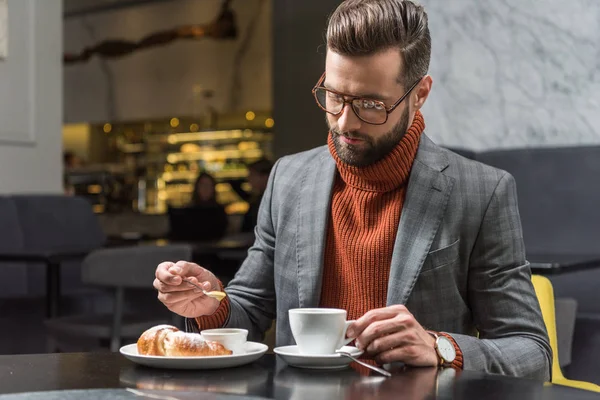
(347, 120)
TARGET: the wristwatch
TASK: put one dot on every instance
(444, 349)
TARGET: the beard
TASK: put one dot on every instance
(370, 150)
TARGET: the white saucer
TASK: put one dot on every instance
(253, 352)
(292, 356)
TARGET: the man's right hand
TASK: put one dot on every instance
(181, 297)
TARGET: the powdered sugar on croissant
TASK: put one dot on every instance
(167, 340)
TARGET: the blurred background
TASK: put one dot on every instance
(156, 123)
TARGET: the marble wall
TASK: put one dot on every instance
(514, 73)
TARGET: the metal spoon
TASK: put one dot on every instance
(364, 364)
(215, 294)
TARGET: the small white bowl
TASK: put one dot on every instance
(232, 338)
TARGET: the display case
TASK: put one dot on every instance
(159, 160)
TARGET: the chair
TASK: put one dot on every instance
(56, 223)
(545, 295)
(14, 277)
(119, 269)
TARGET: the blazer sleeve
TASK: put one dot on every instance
(512, 335)
(252, 291)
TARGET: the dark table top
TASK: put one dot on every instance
(268, 378)
(55, 256)
(547, 264)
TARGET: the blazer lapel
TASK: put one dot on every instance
(424, 206)
(313, 219)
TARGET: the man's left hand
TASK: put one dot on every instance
(392, 334)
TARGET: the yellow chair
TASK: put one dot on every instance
(545, 295)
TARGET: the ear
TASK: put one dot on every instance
(421, 92)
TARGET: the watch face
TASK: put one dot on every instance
(446, 349)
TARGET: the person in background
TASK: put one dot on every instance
(205, 192)
(68, 188)
(258, 177)
(71, 160)
(203, 218)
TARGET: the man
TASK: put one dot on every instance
(422, 247)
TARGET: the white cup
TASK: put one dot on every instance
(319, 330)
(231, 338)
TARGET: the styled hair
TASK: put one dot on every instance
(366, 27)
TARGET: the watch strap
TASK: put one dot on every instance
(458, 360)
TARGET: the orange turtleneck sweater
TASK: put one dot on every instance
(365, 211)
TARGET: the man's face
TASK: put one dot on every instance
(375, 77)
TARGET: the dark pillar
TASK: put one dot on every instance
(298, 62)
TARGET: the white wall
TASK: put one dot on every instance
(159, 82)
(31, 99)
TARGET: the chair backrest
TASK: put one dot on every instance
(130, 267)
(11, 236)
(558, 199)
(545, 295)
(51, 222)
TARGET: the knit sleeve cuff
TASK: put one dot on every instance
(458, 360)
(218, 318)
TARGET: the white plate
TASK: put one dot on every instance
(292, 356)
(253, 352)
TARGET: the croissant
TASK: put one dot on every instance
(167, 340)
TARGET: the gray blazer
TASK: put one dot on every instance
(458, 265)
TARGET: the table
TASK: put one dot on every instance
(268, 378)
(52, 259)
(552, 264)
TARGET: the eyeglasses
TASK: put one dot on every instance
(371, 111)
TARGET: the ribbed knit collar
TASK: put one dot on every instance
(388, 173)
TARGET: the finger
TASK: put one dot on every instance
(391, 355)
(356, 328)
(186, 269)
(394, 340)
(165, 288)
(410, 354)
(164, 274)
(170, 299)
(206, 285)
(377, 329)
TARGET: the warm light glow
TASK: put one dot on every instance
(269, 122)
(94, 189)
(214, 135)
(194, 127)
(107, 128)
(190, 148)
(174, 122)
(250, 116)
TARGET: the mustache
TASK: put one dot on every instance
(351, 135)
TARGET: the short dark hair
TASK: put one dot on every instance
(365, 27)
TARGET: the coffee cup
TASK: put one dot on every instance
(231, 338)
(319, 330)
